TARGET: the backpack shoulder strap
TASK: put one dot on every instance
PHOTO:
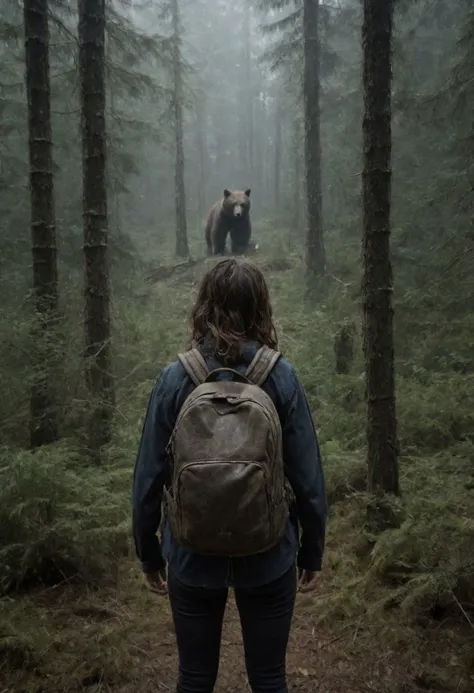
(195, 366)
(261, 365)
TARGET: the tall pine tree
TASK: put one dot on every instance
(94, 158)
(377, 281)
(182, 248)
(43, 410)
(315, 253)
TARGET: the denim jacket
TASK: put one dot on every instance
(303, 469)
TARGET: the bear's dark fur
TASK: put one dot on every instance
(229, 215)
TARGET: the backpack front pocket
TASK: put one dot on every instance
(224, 507)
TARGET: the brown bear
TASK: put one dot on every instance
(229, 215)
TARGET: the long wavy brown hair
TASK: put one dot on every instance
(232, 307)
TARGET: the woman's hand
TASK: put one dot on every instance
(157, 582)
(306, 580)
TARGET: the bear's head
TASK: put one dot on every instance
(236, 203)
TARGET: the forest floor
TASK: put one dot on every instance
(121, 640)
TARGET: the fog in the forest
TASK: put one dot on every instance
(240, 93)
(121, 124)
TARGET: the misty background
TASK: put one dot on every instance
(243, 126)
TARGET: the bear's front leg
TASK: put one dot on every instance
(220, 237)
(239, 241)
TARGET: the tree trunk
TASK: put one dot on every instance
(277, 161)
(43, 407)
(296, 179)
(258, 177)
(99, 378)
(182, 248)
(344, 348)
(114, 186)
(249, 91)
(315, 254)
(269, 164)
(377, 280)
(201, 137)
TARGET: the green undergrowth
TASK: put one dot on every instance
(79, 638)
(422, 567)
(413, 582)
(60, 520)
(63, 521)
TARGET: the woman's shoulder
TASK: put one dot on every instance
(285, 367)
(284, 379)
(171, 388)
(171, 377)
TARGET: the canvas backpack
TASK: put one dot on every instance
(227, 495)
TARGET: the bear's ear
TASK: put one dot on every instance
(247, 192)
(226, 193)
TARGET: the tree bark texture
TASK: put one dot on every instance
(43, 408)
(249, 93)
(315, 253)
(99, 377)
(296, 149)
(377, 279)
(258, 173)
(278, 153)
(202, 151)
(182, 248)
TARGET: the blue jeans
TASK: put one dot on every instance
(265, 615)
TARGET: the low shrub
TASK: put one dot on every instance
(424, 568)
(59, 519)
